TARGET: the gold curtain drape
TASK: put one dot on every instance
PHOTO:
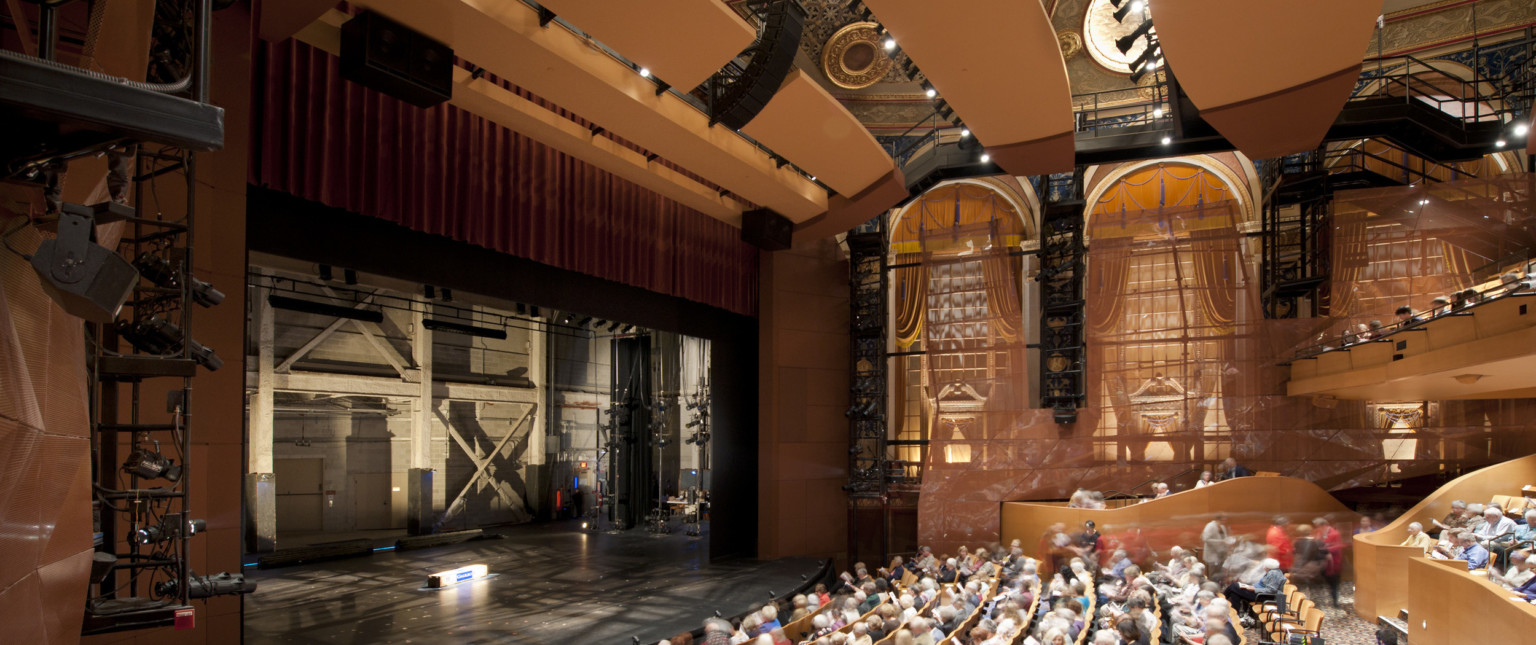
(1216, 282)
(1107, 274)
(1000, 275)
(911, 289)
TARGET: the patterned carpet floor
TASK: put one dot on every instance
(1340, 624)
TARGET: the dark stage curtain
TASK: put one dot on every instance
(448, 172)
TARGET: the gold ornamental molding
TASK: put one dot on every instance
(854, 57)
(1071, 43)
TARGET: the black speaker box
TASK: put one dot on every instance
(767, 230)
(384, 55)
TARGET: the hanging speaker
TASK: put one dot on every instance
(767, 230)
(85, 278)
(384, 55)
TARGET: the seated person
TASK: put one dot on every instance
(1495, 528)
(1517, 573)
(1405, 316)
(1417, 537)
(1473, 552)
(1272, 582)
(1457, 518)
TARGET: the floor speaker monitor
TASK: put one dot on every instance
(384, 55)
(767, 230)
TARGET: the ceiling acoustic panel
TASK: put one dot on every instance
(682, 42)
(998, 65)
(1271, 77)
(811, 129)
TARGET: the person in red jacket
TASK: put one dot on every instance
(1279, 541)
(1333, 543)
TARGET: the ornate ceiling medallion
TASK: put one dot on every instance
(854, 57)
(1100, 29)
(1071, 44)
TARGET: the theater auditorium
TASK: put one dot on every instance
(777, 322)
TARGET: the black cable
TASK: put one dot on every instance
(6, 238)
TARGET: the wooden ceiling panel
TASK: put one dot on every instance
(997, 63)
(682, 42)
(810, 128)
(1274, 69)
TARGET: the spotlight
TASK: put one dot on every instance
(208, 586)
(157, 336)
(890, 44)
(813, 177)
(533, 311)
(985, 158)
(645, 73)
(447, 294)
(1521, 129)
(151, 535)
(1126, 42)
(584, 322)
(1137, 5)
(522, 309)
(629, 329)
(965, 132)
(614, 327)
(566, 320)
(325, 272)
(1499, 143)
(1157, 113)
(1167, 140)
(1423, 202)
(1126, 9)
(349, 276)
(159, 271)
(931, 93)
(149, 464)
(429, 291)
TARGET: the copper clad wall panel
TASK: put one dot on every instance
(683, 42)
(1481, 611)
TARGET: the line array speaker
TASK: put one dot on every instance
(384, 55)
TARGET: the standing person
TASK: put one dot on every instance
(1279, 541)
(1333, 544)
(1233, 470)
(1215, 538)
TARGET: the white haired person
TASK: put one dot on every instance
(1417, 537)
(1271, 583)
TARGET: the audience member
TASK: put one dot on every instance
(1205, 479)
(1233, 470)
(1333, 544)
(1216, 539)
(1406, 317)
(1417, 537)
(1279, 541)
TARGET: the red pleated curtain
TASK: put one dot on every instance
(449, 172)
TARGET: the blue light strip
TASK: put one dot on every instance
(384, 548)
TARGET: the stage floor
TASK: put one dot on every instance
(551, 583)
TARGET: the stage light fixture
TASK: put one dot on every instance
(585, 321)
(1521, 129)
(429, 291)
(325, 272)
(1157, 113)
(533, 311)
(151, 535)
(160, 272)
(930, 93)
(986, 158)
(522, 309)
(450, 327)
(629, 329)
(1499, 143)
(614, 326)
(447, 294)
(890, 44)
(1126, 42)
(645, 73)
(965, 132)
(566, 320)
(1124, 10)
(208, 586)
(349, 276)
(1167, 140)
(145, 463)
(161, 337)
(325, 309)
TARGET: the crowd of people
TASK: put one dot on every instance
(1509, 282)
(1085, 587)
(1488, 539)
